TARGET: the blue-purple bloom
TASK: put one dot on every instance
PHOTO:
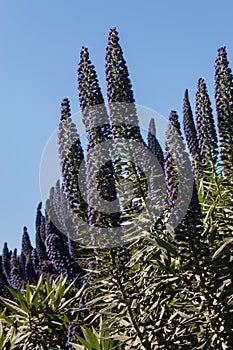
(224, 108)
(206, 132)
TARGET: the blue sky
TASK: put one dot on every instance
(168, 45)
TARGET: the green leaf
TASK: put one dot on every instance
(163, 244)
(91, 337)
(225, 244)
(13, 306)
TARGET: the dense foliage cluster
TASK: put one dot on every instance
(169, 288)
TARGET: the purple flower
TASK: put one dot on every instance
(224, 108)
(206, 133)
(190, 129)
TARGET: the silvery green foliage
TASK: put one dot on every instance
(39, 317)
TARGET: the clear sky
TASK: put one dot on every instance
(168, 45)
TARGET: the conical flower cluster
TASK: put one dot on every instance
(224, 108)
(153, 143)
(206, 132)
(190, 130)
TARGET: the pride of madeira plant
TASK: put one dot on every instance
(171, 286)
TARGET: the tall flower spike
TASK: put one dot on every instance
(224, 108)
(40, 222)
(88, 85)
(26, 243)
(153, 143)
(4, 292)
(190, 130)
(40, 247)
(123, 115)
(95, 117)
(188, 232)
(71, 155)
(67, 131)
(6, 258)
(206, 133)
(125, 130)
(99, 178)
(120, 96)
(178, 170)
(170, 167)
(38, 215)
(119, 87)
(16, 280)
